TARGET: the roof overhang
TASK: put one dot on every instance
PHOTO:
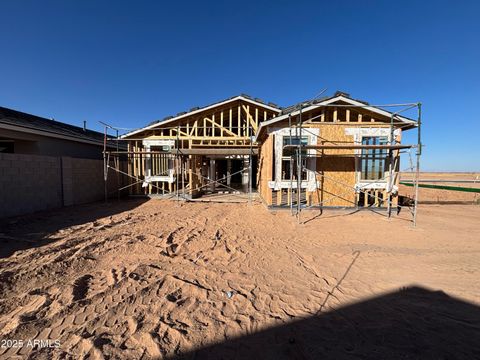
(330, 101)
(190, 113)
(34, 131)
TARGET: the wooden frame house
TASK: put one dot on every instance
(331, 152)
(335, 152)
(203, 151)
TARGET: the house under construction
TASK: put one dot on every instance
(329, 152)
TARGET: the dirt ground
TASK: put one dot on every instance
(159, 279)
(446, 197)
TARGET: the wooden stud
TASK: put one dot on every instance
(247, 109)
(221, 124)
(239, 120)
(250, 120)
(213, 125)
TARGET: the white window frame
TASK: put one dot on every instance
(361, 163)
(170, 178)
(279, 133)
(358, 134)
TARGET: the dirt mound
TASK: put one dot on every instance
(167, 279)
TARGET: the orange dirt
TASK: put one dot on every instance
(154, 279)
(431, 196)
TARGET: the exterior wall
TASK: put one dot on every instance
(43, 145)
(265, 166)
(336, 186)
(335, 170)
(30, 183)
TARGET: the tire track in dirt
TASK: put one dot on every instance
(161, 283)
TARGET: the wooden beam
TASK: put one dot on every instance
(234, 137)
(239, 120)
(247, 129)
(351, 147)
(180, 132)
(221, 123)
(218, 151)
(214, 124)
(250, 120)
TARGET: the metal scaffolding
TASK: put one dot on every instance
(300, 153)
(179, 157)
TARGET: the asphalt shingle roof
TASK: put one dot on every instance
(18, 118)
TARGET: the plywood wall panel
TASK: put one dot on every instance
(337, 167)
(265, 172)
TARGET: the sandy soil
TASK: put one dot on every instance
(431, 196)
(160, 279)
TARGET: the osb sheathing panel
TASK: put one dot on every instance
(265, 166)
(336, 186)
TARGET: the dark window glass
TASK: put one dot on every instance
(289, 158)
(6, 146)
(292, 140)
(374, 161)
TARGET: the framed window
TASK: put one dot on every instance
(374, 161)
(289, 158)
(6, 146)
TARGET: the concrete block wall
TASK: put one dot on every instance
(88, 182)
(30, 183)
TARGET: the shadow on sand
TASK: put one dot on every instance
(30, 231)
(413, 323)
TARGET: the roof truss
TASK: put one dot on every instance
(246, 103)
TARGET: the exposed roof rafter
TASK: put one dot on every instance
(199, 110)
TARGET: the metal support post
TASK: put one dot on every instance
(250, 169)
(417, 170)
(105, 164)
(390, 168)
(177, 164)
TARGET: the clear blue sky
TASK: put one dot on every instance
(131, 62)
